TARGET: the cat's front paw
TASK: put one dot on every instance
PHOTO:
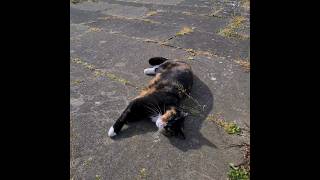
(111, 132)
(160, 124)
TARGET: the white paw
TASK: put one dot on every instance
(160, 124)
(150, 71)
(111, 132)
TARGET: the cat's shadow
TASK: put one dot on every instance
(201, 96)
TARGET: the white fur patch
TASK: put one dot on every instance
(157, 119)
(111, 132)
(151, 71)
(160, 124)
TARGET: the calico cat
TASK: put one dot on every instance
(161, 99)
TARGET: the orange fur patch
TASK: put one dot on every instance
(151, 86)
(166, 116)
(150, 89)
(154, 80)
(146, 92)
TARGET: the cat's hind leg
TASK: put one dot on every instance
(135, 111)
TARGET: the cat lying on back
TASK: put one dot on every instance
(161, 99)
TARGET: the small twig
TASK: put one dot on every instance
(238, 145)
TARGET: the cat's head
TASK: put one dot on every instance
(175, 125)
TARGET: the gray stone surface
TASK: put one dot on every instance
(160, 2)
(111, 42)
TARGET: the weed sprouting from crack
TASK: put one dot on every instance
(77, 82)
(151, 13)
(142, 174)
(95, 29)
(242, 168)
(185, 30)
(115, 78)
(229, 127)
(190, 58)
(87, 162)
(85, 64)
(97, 177)
(244, 64)
(192, 52)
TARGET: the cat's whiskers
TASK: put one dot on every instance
(159, 108)
(159, 112)
(153, 110)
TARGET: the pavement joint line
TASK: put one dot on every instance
(191, 52)
(165, 5)
(149, 21)
(99, 73)
(144, 19)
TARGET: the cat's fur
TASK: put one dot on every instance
(160, 100)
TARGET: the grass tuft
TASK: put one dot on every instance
(229, 127)
(151, 13)
(142, 173)
(184, 31)
(230, 30)
(244, 64)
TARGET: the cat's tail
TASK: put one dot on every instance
(157, 61)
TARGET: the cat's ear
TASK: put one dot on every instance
(157, 61)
